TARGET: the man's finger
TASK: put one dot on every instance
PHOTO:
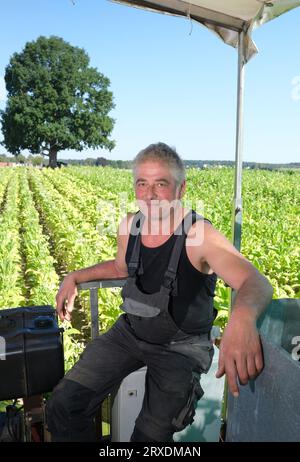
(259, 362)
(231, 374)
(251, 367)
(60, 308)
(69, 305)
(242, 371)
(59, 303)
(220, 372)
(221, 366)
(67, 316)
(71, 302)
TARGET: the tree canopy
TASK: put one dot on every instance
(56, 101)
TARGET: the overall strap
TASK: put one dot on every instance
(181, 233)
(135, 265)
(135, 230)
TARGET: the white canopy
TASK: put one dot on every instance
(224, 17)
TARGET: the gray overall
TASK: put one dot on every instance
(145, 335)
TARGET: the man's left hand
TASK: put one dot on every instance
(240, 351)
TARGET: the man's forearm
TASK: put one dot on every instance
(253, 297)
(104, 270)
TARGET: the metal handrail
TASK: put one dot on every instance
(93, 287)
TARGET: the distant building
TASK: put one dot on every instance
(6, 164)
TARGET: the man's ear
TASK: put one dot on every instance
(182, 188)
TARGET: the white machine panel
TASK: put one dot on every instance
(127, 405)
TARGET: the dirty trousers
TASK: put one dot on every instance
(172, 386)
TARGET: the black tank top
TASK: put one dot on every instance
(190, 315)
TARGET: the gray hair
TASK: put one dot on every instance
(162, 152)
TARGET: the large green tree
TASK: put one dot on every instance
(55, 101)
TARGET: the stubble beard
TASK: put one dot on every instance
(161, 216)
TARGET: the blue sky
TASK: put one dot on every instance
(171, 81)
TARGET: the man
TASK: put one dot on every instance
(171, 256)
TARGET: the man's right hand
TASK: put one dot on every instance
(65, 298)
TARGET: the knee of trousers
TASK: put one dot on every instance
(161, 425)
(68, 401)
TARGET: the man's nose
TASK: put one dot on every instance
(151, 192)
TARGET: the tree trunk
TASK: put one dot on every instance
(53, 158)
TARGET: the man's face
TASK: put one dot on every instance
(155, 189)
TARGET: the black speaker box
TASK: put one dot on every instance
(31, 351)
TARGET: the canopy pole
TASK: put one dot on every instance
(237, 199)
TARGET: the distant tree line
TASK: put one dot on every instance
(20, 159)
(231, 163)
(102, 162)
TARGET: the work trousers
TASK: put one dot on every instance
(172, 386)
